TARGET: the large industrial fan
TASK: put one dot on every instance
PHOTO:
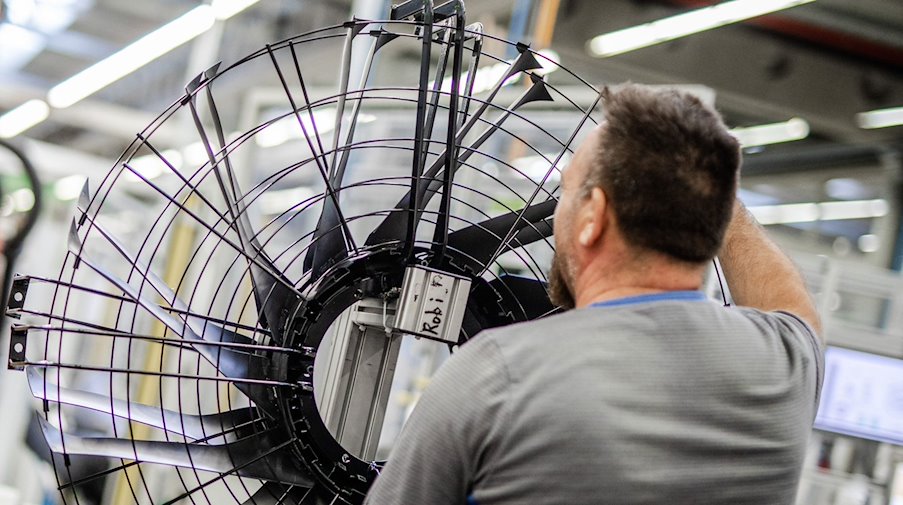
(230, 328)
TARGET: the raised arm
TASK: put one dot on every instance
(760, 275)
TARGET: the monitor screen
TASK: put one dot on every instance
(862, 396)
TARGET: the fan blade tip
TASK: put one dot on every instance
(84, 198)
(538, 92)
(384, 38)
(213, 71)
(356, 25)
(194, 84)
(526, 61)
(75, 243)
(35, 380)
(52, 435)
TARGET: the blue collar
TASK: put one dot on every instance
(683, 296)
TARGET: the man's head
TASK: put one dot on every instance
(657, 178)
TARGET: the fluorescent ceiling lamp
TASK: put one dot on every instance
(824, 211)
(852, 209)
(847, 188)
(881, 118)
(23, 117)
(132, 57)
(681, 25)
(794, 129)
(143, 51)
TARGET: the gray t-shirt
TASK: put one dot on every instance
(648, 400)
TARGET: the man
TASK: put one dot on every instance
(646, 393)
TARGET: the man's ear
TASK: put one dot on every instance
(593, 218)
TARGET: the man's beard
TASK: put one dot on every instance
(559, 292)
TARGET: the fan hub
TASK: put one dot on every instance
(372, 280)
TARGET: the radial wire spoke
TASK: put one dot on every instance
(435, 91)
(476, 32)
(231, 363)
(260, 459)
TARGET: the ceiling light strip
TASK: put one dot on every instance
(881, 118)
(109, 70)
(132, 57)
(23, 117)
(682, 25)
(824, 211)
(143, 51)
(774, 133)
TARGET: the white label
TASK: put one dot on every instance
(435, 306)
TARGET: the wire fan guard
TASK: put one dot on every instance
(174, 354)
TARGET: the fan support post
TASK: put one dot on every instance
(358, 379)
(364, 346)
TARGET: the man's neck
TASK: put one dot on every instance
(610, 281)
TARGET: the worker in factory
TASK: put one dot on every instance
(646, 392)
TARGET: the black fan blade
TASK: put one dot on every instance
(256, 457)
(209, 331)
(531, 294)
(479, 241)
(452, 150)
(331, 235)
(393, 227)
(274, 299)
(208, 427)
(328, 242)
(231, 363)
(539, 231)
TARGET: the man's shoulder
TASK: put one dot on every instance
(537, 327)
